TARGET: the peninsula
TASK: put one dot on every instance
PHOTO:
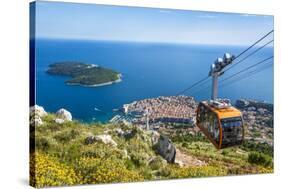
(89, 75)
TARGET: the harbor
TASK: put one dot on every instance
(153, 112)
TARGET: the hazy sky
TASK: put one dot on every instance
(98, 22)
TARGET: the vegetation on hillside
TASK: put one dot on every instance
(83, 74)
(61, 156)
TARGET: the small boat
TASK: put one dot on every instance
(96, 109)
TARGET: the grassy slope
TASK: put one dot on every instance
(62, 148)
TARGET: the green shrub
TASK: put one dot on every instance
(156, 163)
(259, 159)
(188, 172)
(42, 143)
(66, 136)
(185, 145)
(146, 173)
(49, 118)
(100, 150)
(129, 164)
(259, 147)
(188, 138)
(71, 152)
(139, 159)
(225, 152)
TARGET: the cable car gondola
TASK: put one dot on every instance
(221, 123)
(223, 126)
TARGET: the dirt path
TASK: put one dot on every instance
(185, 160)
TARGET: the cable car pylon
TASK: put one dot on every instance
(221, 123)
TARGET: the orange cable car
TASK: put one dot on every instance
(223, 126)
(217, 119)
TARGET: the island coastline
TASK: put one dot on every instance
(99, 85)
(86, 75)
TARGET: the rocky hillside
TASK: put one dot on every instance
(68, 152)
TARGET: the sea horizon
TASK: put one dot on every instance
(146, 42)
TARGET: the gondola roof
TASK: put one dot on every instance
(225, 112)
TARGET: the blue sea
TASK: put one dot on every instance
(148, 69)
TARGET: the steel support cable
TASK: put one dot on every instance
(237, 73)
(241, 71)
(254, 44)
(252, 53)
(249, 55)
(248, 75)
(190, 87)
(205, 78)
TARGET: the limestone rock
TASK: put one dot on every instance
(166, 149)
(125, 153)
(106, 139)
(90, 140)
(37, 110)
(59, 121)
(155, 137)
(179, 162)
(119, 131)
(130, 134)
(37, 121)
(107, 131)
(64, 114)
